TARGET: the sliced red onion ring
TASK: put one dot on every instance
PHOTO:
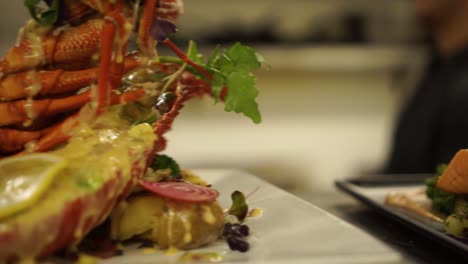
(181, 191)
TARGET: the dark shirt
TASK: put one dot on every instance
(433, 126)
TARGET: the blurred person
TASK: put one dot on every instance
(433, 125)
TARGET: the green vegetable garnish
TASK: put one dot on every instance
(47, 17)
(233, 69)
(193, 54)
(239, 207)
(162, 162)
(149, 119)
(442, 201)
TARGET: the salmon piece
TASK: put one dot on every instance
(455, 177)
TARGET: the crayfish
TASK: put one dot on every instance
(54, 70)
(57, 86)
(81, 85)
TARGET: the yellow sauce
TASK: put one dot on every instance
(148, 250)
(34, 34)
(121, 49)
(30, 146)
(170, 224)
(208, 216)
(35, 85)
(201, 257)
(187, 228)
(85, 259)
(171, 251)
(136, 8)
(256, 212)
(27, 261)
(32, 90)
(95, 157)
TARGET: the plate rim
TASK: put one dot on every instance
(436, 236)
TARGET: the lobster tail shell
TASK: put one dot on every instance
(60, 229)
(455, 177)
(69, 210)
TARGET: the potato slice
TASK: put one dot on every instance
(168, 223)
(141, 213)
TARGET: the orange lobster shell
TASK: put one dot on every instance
(68, 64)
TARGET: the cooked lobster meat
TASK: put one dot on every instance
(53, 70)
(73, 87)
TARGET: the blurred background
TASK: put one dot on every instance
(338, 71)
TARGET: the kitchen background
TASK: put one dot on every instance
(338, 71)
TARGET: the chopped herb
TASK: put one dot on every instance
(239, 207)
(89, 177)
(149, 119)
(441, 169)
(47, 17)
(442, 201)
(91, 182)
(161, 162)
(193, 54)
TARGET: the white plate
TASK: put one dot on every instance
(290, 230)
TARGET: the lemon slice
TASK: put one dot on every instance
(24, 179)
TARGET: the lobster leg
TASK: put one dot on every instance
(21, 111)
(146, 44)
(55, 82)
(193, 87)
(104, 86)
(155, 9)
(18, 86)
(61, 133)
(14, 140)
(186, 59)
(111, 66)
(76, 44)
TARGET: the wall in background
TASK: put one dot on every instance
(301, 21)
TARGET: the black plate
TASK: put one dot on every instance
(357, 189)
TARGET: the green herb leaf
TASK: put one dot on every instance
(441, 169)
(193, 54)
(239, 207)
(217, 85)
(241, 95)
(48, 17)
(240, 58)
(442, 201)
(161, 162)
(232, 69)
(235, 65)
(213, 58)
